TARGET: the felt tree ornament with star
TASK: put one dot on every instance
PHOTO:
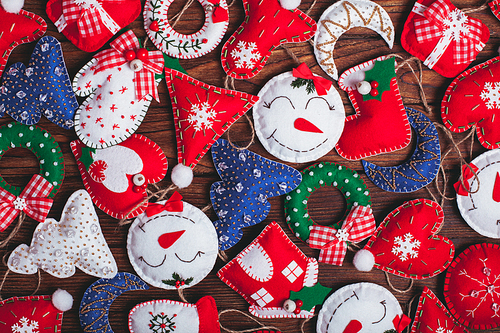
(17, 27)
(202, 113)
(267, 25)
(120, 83)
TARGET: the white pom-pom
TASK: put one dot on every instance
(363, 260)
(290, 4)
(182, 176)
(62, 300)
(12, 6)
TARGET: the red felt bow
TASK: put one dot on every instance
(90, 17)
(219, 14)
(443, 22)
(467, 173)
(358, 225)
(145, 78)
(32, 200)
(400, 322)
(173, 204)
(321, 84)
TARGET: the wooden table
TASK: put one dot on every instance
(356, 46)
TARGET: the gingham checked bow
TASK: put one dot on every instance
(90, 17)
(448, 25)
(145, 78)
(32, 200)
(358, 225)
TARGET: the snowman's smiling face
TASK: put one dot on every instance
(170, 244)
(360, 307)
(296, 125)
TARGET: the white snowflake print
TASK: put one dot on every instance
(245, 54)
(201, 116)
(456, 25)
(25, 326)
(485, 289)
(441, 329)
(406, 247)
(491, 95)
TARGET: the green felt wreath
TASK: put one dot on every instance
(318, 175)
(42, 144)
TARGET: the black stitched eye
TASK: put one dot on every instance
(268, 105)
(331, 107)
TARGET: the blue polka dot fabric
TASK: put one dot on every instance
(43, 87)
(248, 180)
(420, 169)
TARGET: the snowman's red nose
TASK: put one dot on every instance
(354, 326)
(306, 126)
(169, 238)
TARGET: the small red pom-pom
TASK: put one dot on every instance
(142, 54)
(374, 92)
(297, 310)
(374, 84)
(154, 26)
(299, 303)
(130, 55)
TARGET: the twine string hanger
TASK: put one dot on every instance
(178, 16)
(261, 327)
(20, 220)
(402, 291)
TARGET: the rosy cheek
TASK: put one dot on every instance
(169, 238)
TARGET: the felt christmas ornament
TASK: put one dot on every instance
(33, 314)
(479, 201)
(202, 113)
(357, 223)
(406, 244)
(164, 316)
(172, 245)
(248, 181)
(89, 24)
(443, 37)
(361, 307)
(59, 247)
(194, 45)
(471, 284)
(374, 93)
(473, 99)
(422, 166)
(41, 88)
(97, 299)
(433, 317)
(17, 27)
(117, 177)
(120, 84)
(46, 150)
(495, 8)
(343, 16)
(296, 121)
(268, 270)
(267, 25)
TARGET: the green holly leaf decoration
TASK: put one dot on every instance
(177, 281)
(86, 157)
(170, 62)
(310, 296)
(382, 72)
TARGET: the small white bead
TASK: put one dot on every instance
(138, 179)
(364, 87)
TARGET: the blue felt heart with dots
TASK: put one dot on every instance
(248, 180)
(43, 87)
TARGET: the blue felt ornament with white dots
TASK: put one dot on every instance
(44, 87)
(248, 180)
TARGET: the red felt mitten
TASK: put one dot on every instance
(89, 24)
(471, 287)
(406, 244)
(443, 37)
(374, 94)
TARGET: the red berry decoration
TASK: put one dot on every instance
(130, 55)
(142, 54)
(299, 303)
(374, 84)
(154, 26)
(374, 92)
(297, 310)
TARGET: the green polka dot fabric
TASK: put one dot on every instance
(318, 175)
(42, 144)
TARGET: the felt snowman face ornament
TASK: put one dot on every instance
(296, 118)
(173, 244)
(480, 205)
(361, 307)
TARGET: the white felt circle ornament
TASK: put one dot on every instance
(294, 123)
(177, 45)
(360, 307)
(480, 207)
(172, 248)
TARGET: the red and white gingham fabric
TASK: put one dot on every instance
(90, 15)
(433, 25)
(145, 78)
(358, 225)
(36, 204)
